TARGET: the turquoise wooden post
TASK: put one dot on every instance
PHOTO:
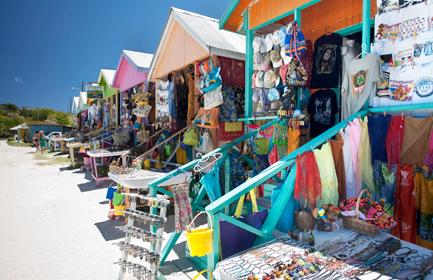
(366, 25)
(227, 180)
(249, 36)
(297, 16)
(213, 257)
(279, 205)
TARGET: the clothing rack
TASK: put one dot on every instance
(151, 256)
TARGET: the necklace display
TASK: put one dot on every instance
(340, 258)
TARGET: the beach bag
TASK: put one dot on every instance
(213, 98)
(207, 118)
(235, 239)
(191, 137)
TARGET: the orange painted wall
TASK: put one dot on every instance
(325, 16)
(332, 15)
(265, 10)
(179, 50)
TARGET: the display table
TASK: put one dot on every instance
(75, 145)
(101, 154)
(363, 257)
(140, 178)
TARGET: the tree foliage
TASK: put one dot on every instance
(11, 115)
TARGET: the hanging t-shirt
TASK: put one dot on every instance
(326, 61)
(322, 108)
(359, 83)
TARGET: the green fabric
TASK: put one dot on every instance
(191, 137)
(261, 146)
(118, 199)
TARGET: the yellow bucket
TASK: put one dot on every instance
(119, 210)
(199, 240)
(146, 164)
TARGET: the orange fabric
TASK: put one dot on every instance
(293, 137)
(337, 153)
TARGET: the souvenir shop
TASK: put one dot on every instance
(199, 83)
(357, 195)
(110, 98)
(332, 179)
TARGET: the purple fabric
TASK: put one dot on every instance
(235, 239)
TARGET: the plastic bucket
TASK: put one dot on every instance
(119, 210)
(199, 240)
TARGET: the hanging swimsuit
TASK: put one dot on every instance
(328, 176)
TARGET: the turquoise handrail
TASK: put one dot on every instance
(274, 169)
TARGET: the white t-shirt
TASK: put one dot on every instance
(359, 83)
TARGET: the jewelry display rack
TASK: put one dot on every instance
(147, 268)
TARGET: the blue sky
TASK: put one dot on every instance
(48, 47)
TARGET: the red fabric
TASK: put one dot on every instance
(228, 135)
(307, 185)
(394, 139)
(405, 211)
(232, 72)
(273, 155)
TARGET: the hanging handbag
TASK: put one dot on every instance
(207, 118)
(213, 98)
(205, 146)
(191, 137)
(235, 239)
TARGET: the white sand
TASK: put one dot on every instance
(48, 225)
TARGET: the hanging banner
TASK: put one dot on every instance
(95, 91)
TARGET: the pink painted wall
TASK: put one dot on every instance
(128, 75)
(179, 50)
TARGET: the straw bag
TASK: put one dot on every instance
(116, 167)
(358, 225)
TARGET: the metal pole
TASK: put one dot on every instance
(248, 66)
(366, 26)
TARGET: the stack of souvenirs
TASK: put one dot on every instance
(281, 64)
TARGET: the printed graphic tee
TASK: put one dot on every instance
(359, 83)
(327, 61)
(322, 107)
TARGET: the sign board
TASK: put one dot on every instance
(94, 91)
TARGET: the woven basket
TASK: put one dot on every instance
(121, 138)
(116, 167)
(358, 225)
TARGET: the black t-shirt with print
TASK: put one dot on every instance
(322, 107)
(327, 61)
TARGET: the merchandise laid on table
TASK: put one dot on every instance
(345, 256)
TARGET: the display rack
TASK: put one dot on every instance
(148, 258)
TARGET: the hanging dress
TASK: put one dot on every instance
(394, 139)
(364, 159)
(404, 209)
(354, 128)
(328, 176)
(307, 185)
(294, 136)
(424, 206)
(415, 139)
(337, 153)
(348, 166)
(377, 130)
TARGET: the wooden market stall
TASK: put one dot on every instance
(110, 98)
(189, 42)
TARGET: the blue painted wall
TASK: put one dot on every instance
(46, 129)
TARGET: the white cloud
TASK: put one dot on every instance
(75, 88)
(18, 80)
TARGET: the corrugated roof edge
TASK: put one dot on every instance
(128, 53)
